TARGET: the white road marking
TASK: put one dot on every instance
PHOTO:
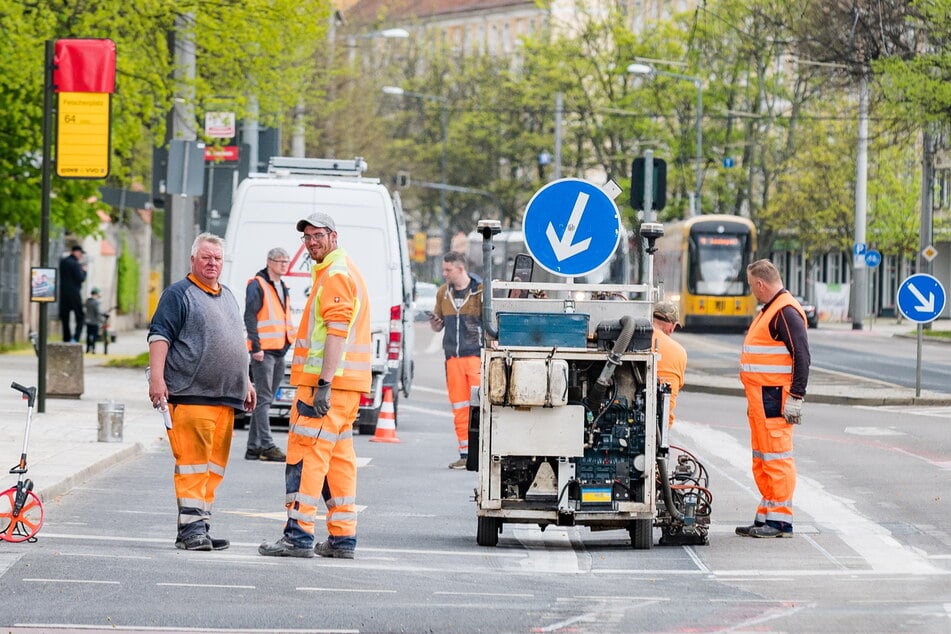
(485, 594)
(147, 628)
(874, 543)
(873, 431)
(426, 410)
(205, 585)
(374, 591)
(429, 390)
(551, 551)
(92, 581)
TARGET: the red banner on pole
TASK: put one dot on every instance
(84, 66)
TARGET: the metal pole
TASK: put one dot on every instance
(861, 181)
(559, 113)
(649, 215)
(444, 230)
(696, 197)
(918, 364)
(45, 218)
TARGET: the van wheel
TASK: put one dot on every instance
(368, 418)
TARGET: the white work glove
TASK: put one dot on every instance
(792, 412)
(322, 398)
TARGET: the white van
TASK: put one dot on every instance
(370, 226)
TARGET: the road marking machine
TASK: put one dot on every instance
(569, 426)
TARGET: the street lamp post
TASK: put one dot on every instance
(444, 123)
(645, 69)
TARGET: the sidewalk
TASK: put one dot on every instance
(715, 371)
(64, 449)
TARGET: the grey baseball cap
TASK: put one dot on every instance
(317, 219)
(667, 311)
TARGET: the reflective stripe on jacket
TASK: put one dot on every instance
(275, 329)
(763, 360)
(338, 305)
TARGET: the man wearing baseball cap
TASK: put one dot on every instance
(672, 365)
(331, 369)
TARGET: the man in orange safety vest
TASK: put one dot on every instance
(774, 370)
(331, 369)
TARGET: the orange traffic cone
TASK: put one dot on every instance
(386, 424)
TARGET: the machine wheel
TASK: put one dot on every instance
(642, 534)
(487, 533)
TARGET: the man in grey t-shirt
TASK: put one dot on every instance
(198, 366)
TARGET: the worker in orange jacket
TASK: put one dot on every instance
(270, 333)
(458, 311)
(774, 370)
(330, 368)
(672, 365)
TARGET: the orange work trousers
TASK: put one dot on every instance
(321, 463)
(462, 374)
(774, 465)
(200, 439)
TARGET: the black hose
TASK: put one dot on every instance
(665, 489)
(614, 358)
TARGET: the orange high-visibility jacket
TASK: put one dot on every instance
(338, 305)
(765, 361)
(275, 329)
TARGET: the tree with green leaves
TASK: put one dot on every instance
(261, 48)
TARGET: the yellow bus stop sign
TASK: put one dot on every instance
(82, 139)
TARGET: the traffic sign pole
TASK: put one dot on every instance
(921, 299)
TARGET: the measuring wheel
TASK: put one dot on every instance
(23, 525)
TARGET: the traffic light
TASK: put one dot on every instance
(658, 184)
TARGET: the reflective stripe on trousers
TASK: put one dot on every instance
(774, 464)
(462, 374)
(319, 450)
(200, 439)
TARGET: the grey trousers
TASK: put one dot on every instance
(267, 375)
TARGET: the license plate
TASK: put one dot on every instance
(284, 395)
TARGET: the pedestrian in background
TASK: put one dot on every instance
(672, 365)
(198, 365)
(458, 311)
(267, 320)
(331, 369)
(72, 274)
(93, 318)
(774, 370)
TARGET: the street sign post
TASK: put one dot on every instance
(921, 299)
(872, 258)
(571, 226)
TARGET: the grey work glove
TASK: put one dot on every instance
(792, 412)
(322, 398)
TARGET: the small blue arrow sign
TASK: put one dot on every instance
(921, 298)
(872, 258)
(571, 227)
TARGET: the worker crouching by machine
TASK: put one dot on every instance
(571, 425)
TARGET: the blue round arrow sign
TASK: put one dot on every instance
(921, 298)
(571, 227)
